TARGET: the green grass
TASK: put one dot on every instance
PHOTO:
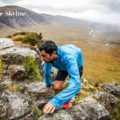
(28, 37)
(31, 39)
(32, 68)
(36, 111)
(1, 69)
(100, 63)
(117, 111)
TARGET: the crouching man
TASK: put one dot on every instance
(68, 59)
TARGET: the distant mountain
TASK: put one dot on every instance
(15, 18)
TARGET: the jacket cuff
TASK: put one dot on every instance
(53, 102)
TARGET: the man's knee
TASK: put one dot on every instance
(58, 86)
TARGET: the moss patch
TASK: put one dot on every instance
(3, 118)
(37, 112)
(32, 68)
(1, 69)
(28, 37)
(117, 111)
(14, 87)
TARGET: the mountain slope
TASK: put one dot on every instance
(15, 18)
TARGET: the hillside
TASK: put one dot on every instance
(23, 92)
(17, 19)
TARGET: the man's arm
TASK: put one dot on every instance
(74, 84)
(46, 73)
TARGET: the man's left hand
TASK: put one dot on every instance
(49, 108)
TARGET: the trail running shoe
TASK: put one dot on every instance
(67, 105)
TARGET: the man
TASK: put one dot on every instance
(69, 61)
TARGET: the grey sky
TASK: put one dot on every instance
(105, 11)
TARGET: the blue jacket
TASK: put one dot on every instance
(70, 59)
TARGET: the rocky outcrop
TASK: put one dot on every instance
(6, 42)
(22, 98)
(108, 100)
(24, 103)
(15, 55)
(17, 72)
(88, 109)
(37, 93)
(14, 60)
(112, 88)
(14, 104)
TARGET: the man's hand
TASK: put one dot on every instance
(49, 108)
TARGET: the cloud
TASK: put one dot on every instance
(104, 11)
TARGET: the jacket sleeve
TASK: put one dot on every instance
(74, 84)
(46, 74)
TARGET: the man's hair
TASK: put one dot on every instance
(48, 45)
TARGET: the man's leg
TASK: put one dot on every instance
(59, 80)
(58, 85)
(81, 71)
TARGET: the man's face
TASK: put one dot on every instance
(46, 56)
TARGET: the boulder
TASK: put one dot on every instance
(106, 99)
(37, 93)
(94, 109)
(17, 72)
(112, 88)
(4, 84)
(14, 104)
(20, 63)
(16, 54)
(5, 43)
(35, 87)
(60, 115)
(88, 109)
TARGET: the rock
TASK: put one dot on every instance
(60, 115)
(112, 88)
(17, 72)
(37, 93)
(95, 110)
(2, 109)
(16, 54)
(106, 99)
(4, 84)
(35, 87)
(78, 113)
(15, 104)
(6, 42)
(88, 109)
(16, 61)
(85, 81)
